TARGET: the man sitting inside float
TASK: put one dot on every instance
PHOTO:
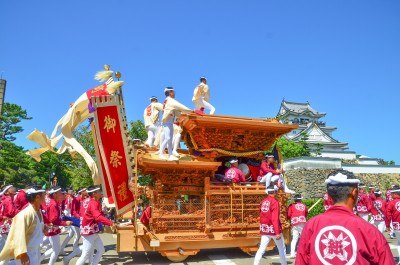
(268, 173)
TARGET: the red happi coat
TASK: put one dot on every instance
(235, 174)
(7, 212)
(393, 214)
(339, 237)
(266, 168)
(83, 207)
(327, 201)
(364, 204)
(381, 204)
(70, 205)
(297, 213)
(20, 200)
(93, 216)
(53, 217)
(146, 215)
(389, 196)
(270, 223)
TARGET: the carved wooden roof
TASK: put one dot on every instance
(149, 164)
(235, 134)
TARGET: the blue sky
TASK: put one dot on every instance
(341, 56)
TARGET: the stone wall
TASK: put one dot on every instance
(310, 182)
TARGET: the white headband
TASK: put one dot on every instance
(300, 198)
(395, 191)
(79, 191)
(168, 89)
(377, 192)
(54, 191)
(33, 191)
(339, 178)
(361, 186)
(93, 190)
(5, 189)
(233, 161)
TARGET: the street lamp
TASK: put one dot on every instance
(3, 84)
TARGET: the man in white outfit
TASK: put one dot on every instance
(172, 109)
(26, 232)
(201, 96)
(151, 120)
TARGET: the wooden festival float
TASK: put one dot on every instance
(190, 209)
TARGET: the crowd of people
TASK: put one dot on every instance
(32, 219)
(351, 231)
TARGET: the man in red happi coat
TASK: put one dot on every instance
(270, 226)
(20, 200)
(393, 214)
(338, 236)
(378, 211)
(233, 173)
(52, 218)
(90, 228)
(7, 213)
(297, 214)
(363, 204)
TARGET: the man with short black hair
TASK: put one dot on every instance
(26, 232)
(338, 236)
(270, 226)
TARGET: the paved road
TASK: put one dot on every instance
(226, 256)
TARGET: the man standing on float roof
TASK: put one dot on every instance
(172, 109)
(201, 96)
(338, 236)
(151, 120)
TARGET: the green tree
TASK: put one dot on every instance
(290, 148)
(137, 130)
(12, 115)
(317, 150)
(304, 142)
(16, 167)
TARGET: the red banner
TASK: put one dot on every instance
(114, 156)
(102, 171)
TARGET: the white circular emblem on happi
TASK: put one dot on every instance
(265, 206)
(397, 206)
(85, 204)
(336, 245)
(378, 203)
(326, 196)
(299, 207)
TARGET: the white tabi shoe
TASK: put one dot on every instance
(176, 154)
(173, 158)
(162, 157)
